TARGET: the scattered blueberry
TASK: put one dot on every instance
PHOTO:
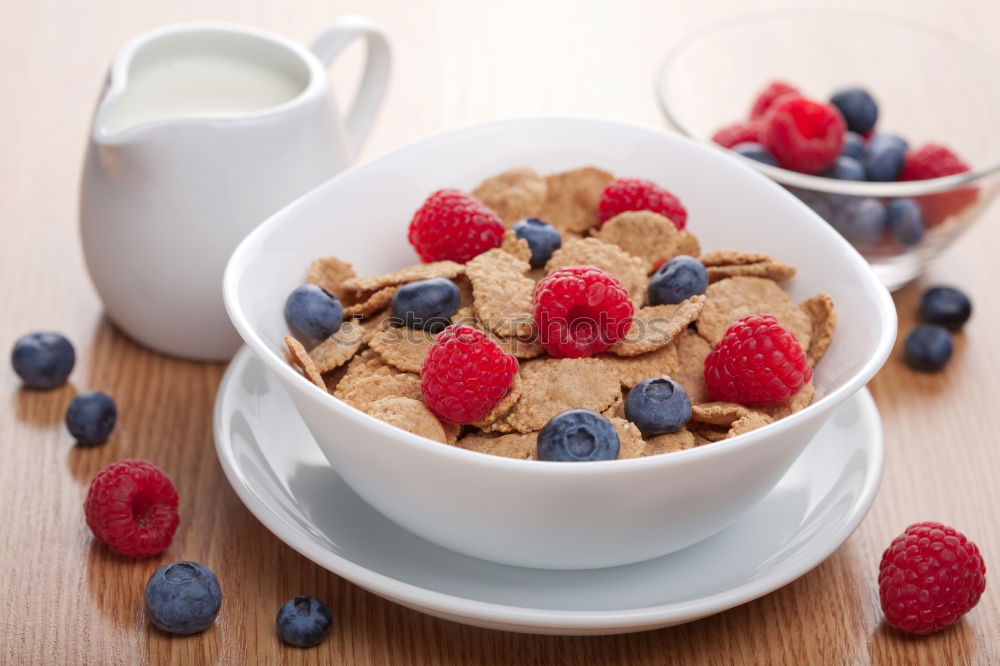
(303, 621)
(543, 239)
(846, 168)
(756, 152)
(657, 406)
(183, 597)
(945, 306)
(43, 360)
(578, 435)
(427, 304)
(928, 347)
(854, 146)
(677, 280)
(861, 220)
(883, 159)
(314, 311)
(858, 108)
(906, 221)
(91, 417)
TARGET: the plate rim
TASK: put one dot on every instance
(483, 613)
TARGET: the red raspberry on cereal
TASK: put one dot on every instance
(936, 161)
(581, 311)
(131, 505)
(769, 96)
(465, 374)
(804, 135)
(737, 133)
(756, 362)
(452, 225)
(625, 194)
(929, 577)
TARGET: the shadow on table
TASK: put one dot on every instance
(43, 409)
(956, 645)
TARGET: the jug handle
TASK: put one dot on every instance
(375, 79)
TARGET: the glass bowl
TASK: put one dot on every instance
(932, 87)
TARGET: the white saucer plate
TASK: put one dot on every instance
(275, 466)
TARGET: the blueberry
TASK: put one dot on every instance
(846, 168)
(928, 347)
(314, 311)
(854, 146)
(883, 162)
(879, 141)
(677, 280)
(543, 239)
(43, 360)
(578, 435)
(756, 152)
(91, 417)
(657, 406)
(861, 220)
(945, 306)
(858, 108)
(303, 621)
(183, 597)
(905, 220)
(427, 304)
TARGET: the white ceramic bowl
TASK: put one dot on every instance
(546, 514)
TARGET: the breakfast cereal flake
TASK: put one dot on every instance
(403, 348)
(655, 326)
(643, 234)
(374, 302)
(631, 370)
(571, 204)
(820, 310)
(553, 385)
(692, 350)
(502, 294)
(722, 264)
(409, 414)
(667, 443)
(330, 273)
(339, 347)
(444, 269)
(514, 194)
(298, 357)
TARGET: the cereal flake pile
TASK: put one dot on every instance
(630, 230)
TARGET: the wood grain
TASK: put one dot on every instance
(66, 601)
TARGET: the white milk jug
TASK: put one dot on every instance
(203, 131)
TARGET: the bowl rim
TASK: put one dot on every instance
(791, 178)
(250, 244)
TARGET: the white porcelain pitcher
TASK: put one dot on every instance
(203, 131)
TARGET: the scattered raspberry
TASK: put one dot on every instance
(131, 505)
(930, 576)
(625, 194)
(755, 363)
(768, 97)
(465, 374)
(580, 311)
(737, 133)
(804, 135)
(935, 161)
(454, 225)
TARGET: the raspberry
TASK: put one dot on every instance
(625, 194)
(804, 135)
(755, 363)
(131, 505)
(935, 161)
(768, 97)
(929, 577)
(737, 133)
(454, 225)
(580, 311)
(465, 374)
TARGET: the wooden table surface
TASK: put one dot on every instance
(65, 600)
